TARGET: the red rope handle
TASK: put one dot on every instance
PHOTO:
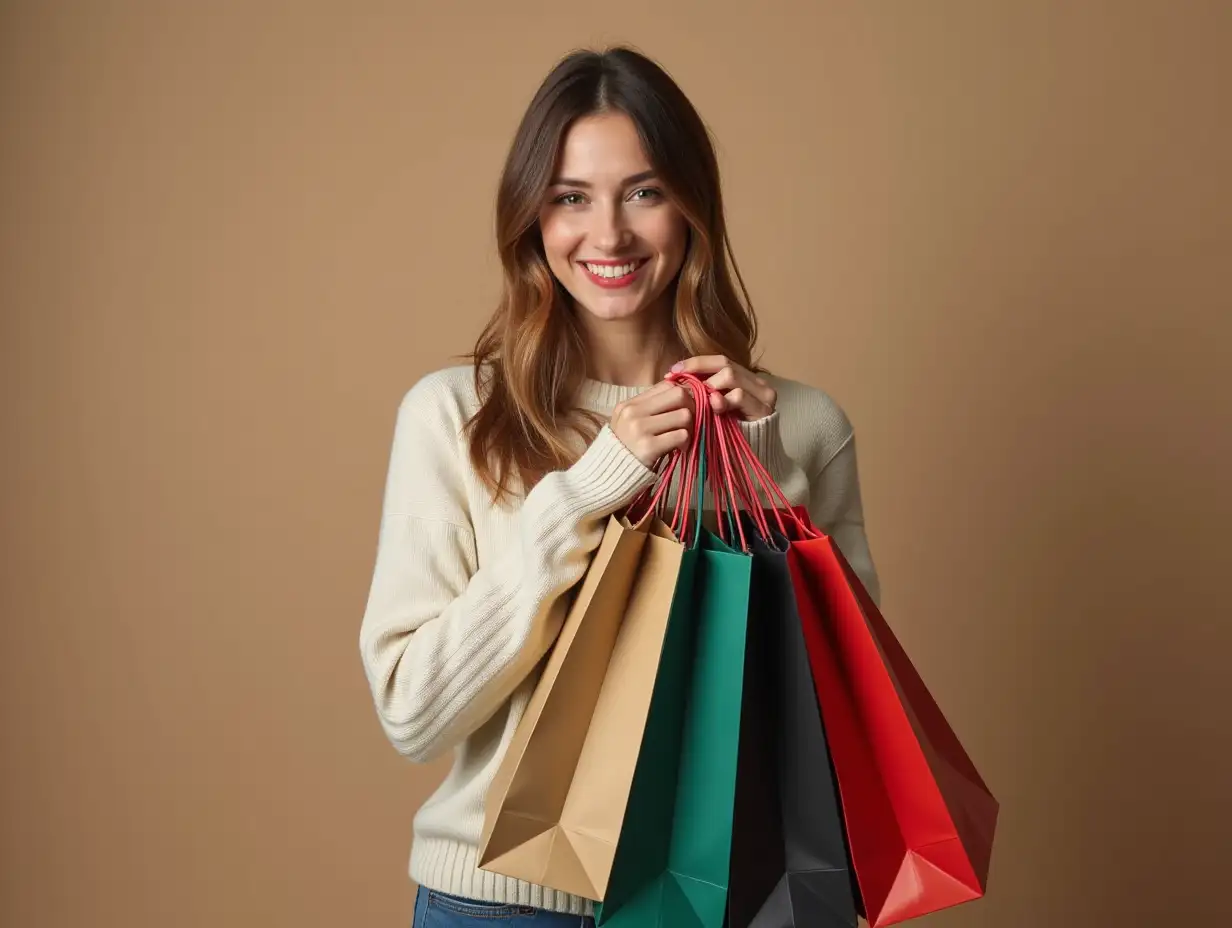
(682, 466)
(731, 490)
(727, 476)
(773, 491)
(734, 474)
(744, 485)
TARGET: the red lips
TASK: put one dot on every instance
(614, 283)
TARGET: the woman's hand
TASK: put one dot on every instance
(655, 422)
(739, 390)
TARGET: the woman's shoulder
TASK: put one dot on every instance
(814, 425)
(428, 467)
(447, 395)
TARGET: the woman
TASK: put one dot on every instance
(503, 473)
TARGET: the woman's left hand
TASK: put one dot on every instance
(739, 390)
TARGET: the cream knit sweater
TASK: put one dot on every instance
(467, 597)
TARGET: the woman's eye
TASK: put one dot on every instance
(643, 194)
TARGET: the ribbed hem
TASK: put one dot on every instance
(449, 867)
(766, 439)
(608, 475)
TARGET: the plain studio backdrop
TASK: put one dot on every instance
(234, 234)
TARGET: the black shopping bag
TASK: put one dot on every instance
(790, 864)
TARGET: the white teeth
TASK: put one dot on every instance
(605, 270)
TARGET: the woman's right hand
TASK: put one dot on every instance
(655, 422)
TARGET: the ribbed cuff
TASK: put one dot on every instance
(449, 867)
(766, 439)
(608, 475)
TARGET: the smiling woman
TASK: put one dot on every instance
(611, 232)
(503, 472)
(603, 228)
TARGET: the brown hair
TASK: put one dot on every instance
(530, 357)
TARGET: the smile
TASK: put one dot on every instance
(613, 275)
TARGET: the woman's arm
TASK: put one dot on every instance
(836, 508)
(445, 640)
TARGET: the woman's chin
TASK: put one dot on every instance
(614, 309)
(612, 313)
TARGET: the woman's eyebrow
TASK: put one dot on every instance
(573, 182)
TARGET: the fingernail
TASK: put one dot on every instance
(677, 367)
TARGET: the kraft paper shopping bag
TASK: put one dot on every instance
(555, 809)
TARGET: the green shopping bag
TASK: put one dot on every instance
(672, 861)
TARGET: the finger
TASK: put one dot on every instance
(661, 398)
(668, 442)
(761, 389)
(735, 377)
(669, 421)
(739, 403)
(661, 387)
(750, 406)
(639, 401)
(726, 379)
(702, 364)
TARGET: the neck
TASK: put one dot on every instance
(633, 352)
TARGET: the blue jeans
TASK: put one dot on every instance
(438, 910)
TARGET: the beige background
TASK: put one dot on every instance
(234, 234)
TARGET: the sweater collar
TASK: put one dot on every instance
(598, 396)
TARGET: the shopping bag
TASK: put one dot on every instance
(758, 850)
(673, 860)
(918, 817)
(672, 863)
(554, 811)
(920, 820)
(790, 864)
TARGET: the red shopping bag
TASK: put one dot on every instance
(919, 818)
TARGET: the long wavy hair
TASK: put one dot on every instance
(530, 358)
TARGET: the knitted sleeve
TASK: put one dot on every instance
(836, 508)
(444, 639)
(826, 479)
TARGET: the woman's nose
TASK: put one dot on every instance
(610, 231)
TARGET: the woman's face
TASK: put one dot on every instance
(612, 237)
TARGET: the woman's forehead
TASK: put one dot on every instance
(602, 149)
